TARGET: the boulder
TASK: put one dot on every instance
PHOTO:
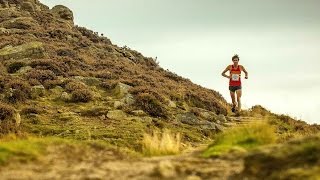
(188, 118)
(116, 114)
(121, 89)
(128, 99)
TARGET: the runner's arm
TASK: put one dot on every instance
(224, 72)
(245, 72)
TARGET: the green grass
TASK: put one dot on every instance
(246, 137)
(27, 149)
(295, 159)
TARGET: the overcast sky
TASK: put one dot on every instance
(278, 42)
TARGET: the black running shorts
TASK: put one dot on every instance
(234, 88)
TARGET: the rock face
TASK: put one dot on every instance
(28, 50)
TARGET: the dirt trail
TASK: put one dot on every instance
(63, 163)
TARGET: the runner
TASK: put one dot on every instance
(235, 81)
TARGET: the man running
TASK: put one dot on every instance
(235, 81)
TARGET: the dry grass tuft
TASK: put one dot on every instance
(164, 143)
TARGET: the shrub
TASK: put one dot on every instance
(15, 66)
(151, 105)
(40, 75)
(65, 52)
(74, 85)
(6, 112)
(81, 95)
(48, 84)
(111, 84)
(6, 119)
(58, 67)
(161, 144)
(20, 91)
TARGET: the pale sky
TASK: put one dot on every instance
(278, 42)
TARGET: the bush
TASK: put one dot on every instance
(40, 76)
(15, 66)
(111, 84)
(6, 112)
(57, 67)
(161, 144)
(151, 105)
(20, 91)
(74, 85)
(7, 124)
(81, 95)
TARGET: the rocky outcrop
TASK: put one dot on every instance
(63, 13)
(28, 50)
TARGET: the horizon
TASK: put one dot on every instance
(279, 50)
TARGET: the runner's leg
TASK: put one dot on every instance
(239, 93)
(232, 94)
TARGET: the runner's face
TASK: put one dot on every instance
(235, 61)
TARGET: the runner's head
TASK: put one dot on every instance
(235, 59)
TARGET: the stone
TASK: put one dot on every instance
(27, 50)
(118, 104)
(37, 91)
(102, 117)
(128, 99)
(138, 113)
(116, 114)
(221, 118)
(17, 119)
(65, 97)
(219, 128)
(206, 115)
(172, 104)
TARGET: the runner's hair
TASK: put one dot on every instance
(235, 56)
